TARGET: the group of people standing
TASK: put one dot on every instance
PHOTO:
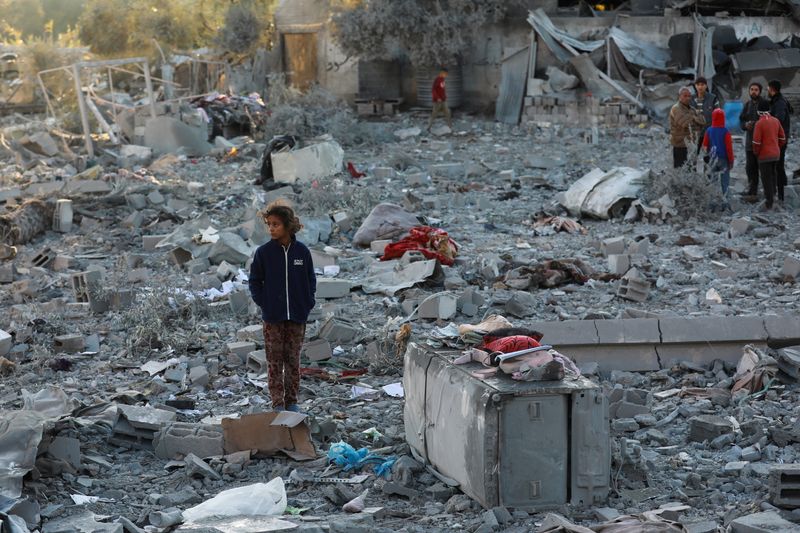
(698, 119)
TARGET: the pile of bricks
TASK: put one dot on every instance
(587, 110)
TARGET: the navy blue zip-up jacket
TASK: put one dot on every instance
(282, 281)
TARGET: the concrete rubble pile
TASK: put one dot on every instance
(133, 387)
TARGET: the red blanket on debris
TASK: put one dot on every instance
(511, 344)
(431, 242)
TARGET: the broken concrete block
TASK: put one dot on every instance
(708, 427)
(333, 288)
(181, 438)
(133, 154)
(784, 485)
(379, 246)
(86, 287)
(619, 263)
(166, 135)
(136, 426)
(766, 522)
(179, 256)
(447, 170)
(226, 271)
(198, 376)
(257, 362)
(241, 349)
(43, 258)
(62, 263)
(81, 523)
(196, 467)
(615, 246)
(739, 226)
(640, 247)
(69, 343)
(407, 133)
(239, 302)
(133, 221)
(253, 333)
(438, 306)
(318, 350)
(121, 299)
(62, 216)
(67, 449)
(7, 272)
(343, 220)
(5, 342)
(383, 172)
(40, 143)
(312, 162)
(791, 267)
(197, 266)
(230, 248)
(149, 241)
(337, 331)
(633, 286)
(155, 198)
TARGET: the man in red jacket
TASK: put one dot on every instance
(768, 138)
(439, 93)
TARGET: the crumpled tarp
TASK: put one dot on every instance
(599, 194)
(431, 242)
(389, 278)
(385, 221)
(20, 435)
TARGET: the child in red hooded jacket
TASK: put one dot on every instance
(717, 142)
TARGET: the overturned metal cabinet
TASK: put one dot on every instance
(526, 445)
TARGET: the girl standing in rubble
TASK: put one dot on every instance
(282, 283)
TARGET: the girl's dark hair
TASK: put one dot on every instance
(285, 213)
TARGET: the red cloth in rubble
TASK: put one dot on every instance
(431, 242)
(351, 168)
(514, 343)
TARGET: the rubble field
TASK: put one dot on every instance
(127, 333)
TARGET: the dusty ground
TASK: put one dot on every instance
(658, 468)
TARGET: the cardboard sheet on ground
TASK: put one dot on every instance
(255, 432)
(598, 193)
(390, 277)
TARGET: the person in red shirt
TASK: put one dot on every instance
(439, 93)
(768, 139)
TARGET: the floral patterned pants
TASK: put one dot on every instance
(282, 344)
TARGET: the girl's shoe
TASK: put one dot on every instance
(293, 407)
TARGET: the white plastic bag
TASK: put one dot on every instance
(258, 499)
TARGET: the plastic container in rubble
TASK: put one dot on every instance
(526, 445)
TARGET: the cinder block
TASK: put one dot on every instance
(179, 256)
(198, 376)
(257, 361)
(438, 306)
(619, 263)
(739, 226)
(197, 266)
(61, 263)
(784, 485)
(44, 258)
(241, 349)
(333, 288)
(640, 247)
(613, 246)
(86, 287)
(182, 438)
(136, 201)
(318, 350)
(133, 221)
(337, 331)
(343, 220)
(62, 217)
(69, 343)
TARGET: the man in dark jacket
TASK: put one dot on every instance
(780, 109)
(706, 102)
(747, 120)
